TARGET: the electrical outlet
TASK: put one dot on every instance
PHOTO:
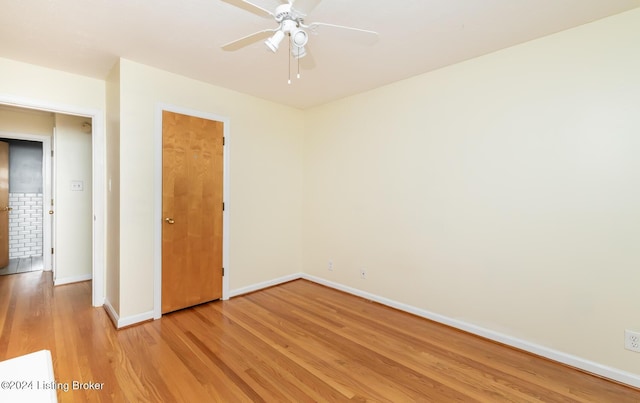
(632, 340)
(330, 265)
(363, 274)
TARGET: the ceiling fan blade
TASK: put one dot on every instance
(247, 40)
(315, 25)
(358, 35)
(304, 7)
(250, 7)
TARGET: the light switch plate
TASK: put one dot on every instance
(77, 186)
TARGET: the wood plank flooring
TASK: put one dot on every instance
(297, 342)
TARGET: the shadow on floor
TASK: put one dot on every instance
(23, 265)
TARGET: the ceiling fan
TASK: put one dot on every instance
(290, 19)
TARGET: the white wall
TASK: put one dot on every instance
(265, 174)
(73, 208)
(502, 191)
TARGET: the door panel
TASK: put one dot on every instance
(192, 172)
(4, 204)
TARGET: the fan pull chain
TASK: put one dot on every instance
(289, 60)
(298, 62)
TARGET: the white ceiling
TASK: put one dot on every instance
(88, 36)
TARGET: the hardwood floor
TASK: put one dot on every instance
(297, 342)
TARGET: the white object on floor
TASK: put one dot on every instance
(28, 378)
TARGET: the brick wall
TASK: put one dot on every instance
(25, 225)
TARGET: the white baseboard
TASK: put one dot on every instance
(135, 319)
(555, 355)
(128, 320)
(264, 284)
(72, 279)
(111, 312)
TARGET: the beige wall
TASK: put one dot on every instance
(265, 180)
(48, 86)
(73, 209)
(502, 191)
(112, 275)
(24, 121)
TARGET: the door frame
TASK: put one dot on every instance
(47, 241)
(157, 267)
(98, 150)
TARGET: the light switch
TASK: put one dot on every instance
(77, 186)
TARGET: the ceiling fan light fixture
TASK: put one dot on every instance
(298, 52)
(274, 42)
(299, 37)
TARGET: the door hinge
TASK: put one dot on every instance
(223, 272)
(52, 251)
(52, 153)
(52, 202)
(223, 140)
(222, 206)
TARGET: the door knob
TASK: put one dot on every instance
(169, 220)
(50, 211)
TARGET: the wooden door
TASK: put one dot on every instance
(4, 204)
(192, 172)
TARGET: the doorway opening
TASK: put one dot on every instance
(23, 248)
(95, 187)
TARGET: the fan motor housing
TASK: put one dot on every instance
(282, 12)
